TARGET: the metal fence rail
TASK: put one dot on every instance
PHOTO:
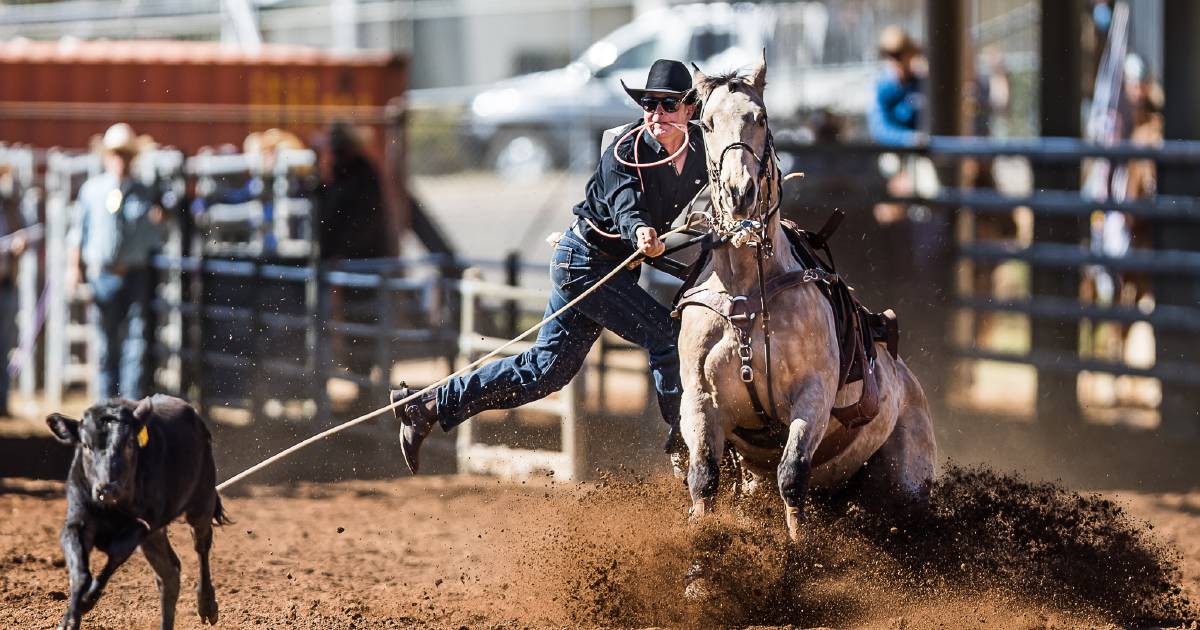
(1069, 256)
(22, 164)
(248, 317)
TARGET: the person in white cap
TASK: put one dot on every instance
(115, 232)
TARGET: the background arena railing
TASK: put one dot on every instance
(70, 353)
(19, 167)
(1045, 302)
(1013, 300)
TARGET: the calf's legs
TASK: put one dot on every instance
(118, 552)
(77, 549)
(86, 590)
(202, 537)
(158, 552)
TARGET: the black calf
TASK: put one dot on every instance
(137, 467)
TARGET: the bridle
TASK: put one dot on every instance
(752, 230)
(737, 311)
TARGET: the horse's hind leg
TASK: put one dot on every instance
(898, 476)
(809, 419)
(705, 437)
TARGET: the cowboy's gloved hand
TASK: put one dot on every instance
(648, 242)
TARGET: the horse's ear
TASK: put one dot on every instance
(699, 81)
(758, 78)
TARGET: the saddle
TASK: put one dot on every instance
(857, 328)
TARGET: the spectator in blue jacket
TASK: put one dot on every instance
(896, 113)
(115, 233)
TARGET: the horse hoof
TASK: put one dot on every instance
(696, 587)
(207, 609)
(794, 519)
(700, 509)
(679, 466)
(698, 591)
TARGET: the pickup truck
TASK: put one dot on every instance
(530, 124)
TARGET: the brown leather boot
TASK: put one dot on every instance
(418, 418)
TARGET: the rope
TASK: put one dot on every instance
(363, 418)
(641, 129)
(24, 354)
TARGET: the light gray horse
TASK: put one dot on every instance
(896, 447)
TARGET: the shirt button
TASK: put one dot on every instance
(697, 181)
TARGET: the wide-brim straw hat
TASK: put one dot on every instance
(894, 41)
(121, 138)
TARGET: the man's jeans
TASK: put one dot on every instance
(620, 305)
(123, 306)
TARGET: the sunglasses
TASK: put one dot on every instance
(669, 103)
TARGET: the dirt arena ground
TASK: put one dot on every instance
(453, 552)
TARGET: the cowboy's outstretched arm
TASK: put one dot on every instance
(623, 198)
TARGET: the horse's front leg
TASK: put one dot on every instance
(705, 437)
(809, 420)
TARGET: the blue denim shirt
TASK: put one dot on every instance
(125, 239)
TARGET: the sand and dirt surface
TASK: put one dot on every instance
(454, 552)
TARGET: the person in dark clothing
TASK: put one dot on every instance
(625, 209)
(351, 197)
(11, 222)
(352, 227)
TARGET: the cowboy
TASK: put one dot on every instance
(115, 231)
(625, 208)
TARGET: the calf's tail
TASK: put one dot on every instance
(219, 516)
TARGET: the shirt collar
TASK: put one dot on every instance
(694, 139)
(652, 142)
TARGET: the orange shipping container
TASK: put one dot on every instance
(194, 94)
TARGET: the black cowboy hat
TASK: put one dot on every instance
(666, 76)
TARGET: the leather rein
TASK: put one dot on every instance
(752, 232)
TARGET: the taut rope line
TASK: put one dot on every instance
(363, 418)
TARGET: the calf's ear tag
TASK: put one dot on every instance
(143, 437)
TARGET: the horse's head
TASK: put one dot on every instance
(736, 140)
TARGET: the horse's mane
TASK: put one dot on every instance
(732, 81)
(731, 78)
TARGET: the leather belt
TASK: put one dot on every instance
(577, 231)
(595, 243)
